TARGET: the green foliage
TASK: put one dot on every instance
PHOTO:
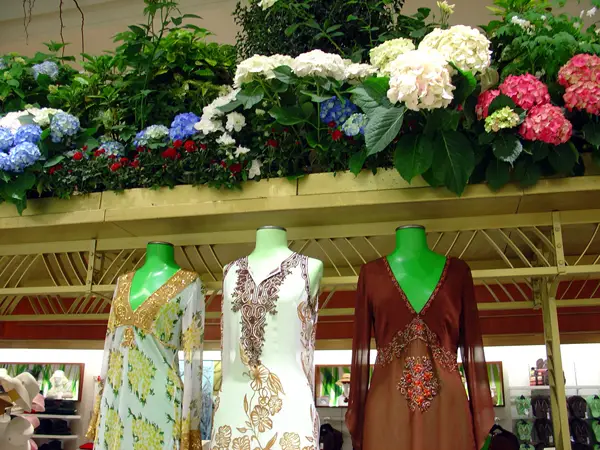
(535, 36)
(349, 28)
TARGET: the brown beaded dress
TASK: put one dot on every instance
(416, 399)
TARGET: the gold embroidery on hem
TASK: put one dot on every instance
(129, 338)
(191, 441)
(95, 420)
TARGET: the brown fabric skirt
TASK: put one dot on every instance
(390, 424)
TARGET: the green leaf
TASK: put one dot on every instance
(81, 81)
(18, 188)
(539, 151)
(357, 161)
(527, 172)
(591, 132)
(383, 127)
(13, 83)
(563, 158)
(351, 18)
(497, 174)
(313, 24)
(251, 95)
(315, 97)
(507, 147)
(465, 83)
(502, 101)
(291, 29)
(288, 116)
(54, 161)
(442, 119)
(413, 156)
(284, 74)
(453, 160)
(371, 94)
(231, 106)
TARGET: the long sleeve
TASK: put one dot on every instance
(110, 334)
(192, 343)
(473, 359)
(359, 374)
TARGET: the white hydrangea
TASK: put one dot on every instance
(156, 132)
(524, 24)
(387, 52)
(11, 120)
(225, 139)
(266, 4)
(259, 65)
(41, 116)
(421, 80)
(254, 170)
(235, 122)
(358, 72)
(320, 64)
(241, 151)
(210, 121)
(466, 47)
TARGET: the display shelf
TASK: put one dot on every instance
(58, 437)
(52, 416)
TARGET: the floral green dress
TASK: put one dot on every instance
(143, 403)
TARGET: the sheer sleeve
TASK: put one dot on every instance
(473, 359)
(108, 341)
(359, 374)
(192, 342)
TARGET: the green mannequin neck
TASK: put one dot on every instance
(159, 266)
(271, 247)
(415, 266)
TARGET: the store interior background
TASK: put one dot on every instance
(581, 367)
(103, 19)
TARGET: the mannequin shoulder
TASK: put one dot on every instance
(315, 267)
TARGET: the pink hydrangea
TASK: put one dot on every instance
(548, 124)
(580, 69)
(484, 101)
(525, 90)
(583, 96)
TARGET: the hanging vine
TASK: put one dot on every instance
(28, 6)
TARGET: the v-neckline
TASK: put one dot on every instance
(271, 274)
(403, 295)
(156, 292)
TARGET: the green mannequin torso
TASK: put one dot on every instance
(159, 266)
(415, 266)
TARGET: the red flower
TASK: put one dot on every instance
(78, 156)
(135, 164)
(203, 146)
(114, 167)
(170, 153)
(178, 143)
(332, 124)
(140, 149)
(190, 146)
(55, 169)
(223, 164)
(112, 157)
(337, 135)
(124, 161)
(286, 130)
(272, 143)
(99, 152)
(235, 168)
(85, 147)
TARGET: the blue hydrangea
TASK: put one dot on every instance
(4, 162)
(337, 111)
(355, 125)
(112, 148)
(48, 68)
(3, 64)
(23, 155)
(63, 126)
(28, 133)
(6, 139)
(183, 126)
(154, 133)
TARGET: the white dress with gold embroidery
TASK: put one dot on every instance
(268, 334)
(143, 403)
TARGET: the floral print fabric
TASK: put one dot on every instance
(144, 404)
